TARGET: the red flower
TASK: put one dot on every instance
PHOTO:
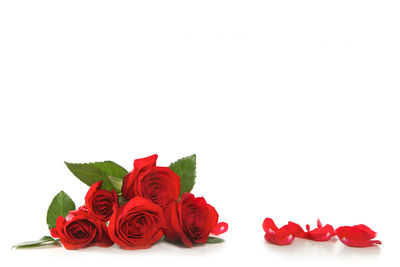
(100, 202)
(320, 233)
(159, 184)
(357, 236)
(79, 229)
(191, 220)
(137, 224)
(281, 236)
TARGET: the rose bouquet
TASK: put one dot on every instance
(132, 209)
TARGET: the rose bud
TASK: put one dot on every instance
(80, 229)
(159, 184)
(100, 202)
(191, 220)
(137, 224)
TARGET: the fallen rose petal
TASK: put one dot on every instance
(220, 228)
(321, 233)
(281, 236)
(357, 236)
(366, 231)
(296, 230)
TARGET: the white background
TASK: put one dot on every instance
(292, 108)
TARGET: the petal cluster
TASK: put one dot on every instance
(353, 236)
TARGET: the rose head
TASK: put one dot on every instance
(159, 184)
(191, 220)
(80, 229)
(137, 224)
(100, 202)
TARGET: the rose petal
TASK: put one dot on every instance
(296, 229)
(269, 224)
(281, 236)
(366, 231)
(149, 161)
(213, 216)
(321, 233)
(83, 208)
(103, 239)
(69, 216)
(173, 231)
(357, 236)
(220, 228)
(54, 233)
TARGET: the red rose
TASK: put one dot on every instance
(137, 224)
(159, 184)
(100, 202)
(79, 229)
(190, 220)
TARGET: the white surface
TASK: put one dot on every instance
(291, 106)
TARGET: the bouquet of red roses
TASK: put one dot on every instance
(133, 210)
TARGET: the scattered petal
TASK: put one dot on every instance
(321, 233)
(220, 228)
(357, 236)
(281, 236)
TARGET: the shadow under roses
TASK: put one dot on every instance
(161, 247)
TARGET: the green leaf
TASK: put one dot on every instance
(109, 172)
(111, 169)
(44, 241)
(121, 200)
(60, 205)
(214, 240)
(186, 169)
(116, 183)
